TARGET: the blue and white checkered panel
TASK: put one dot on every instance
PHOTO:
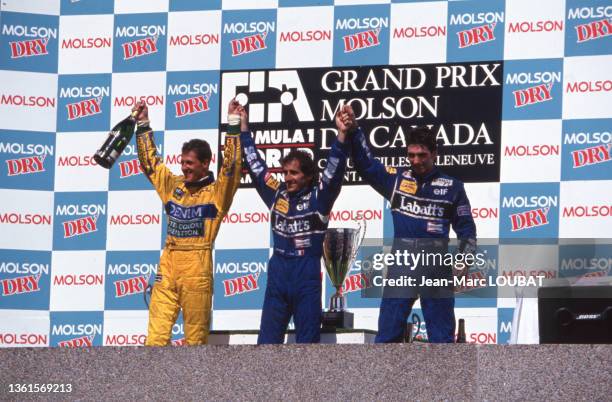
(79, 244)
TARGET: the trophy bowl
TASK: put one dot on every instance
(340, 248)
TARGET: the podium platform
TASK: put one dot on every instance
(416, 371)
(340, 336)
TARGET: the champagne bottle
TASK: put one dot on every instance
(117, 140)
(461, 332)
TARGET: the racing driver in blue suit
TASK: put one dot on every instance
(299, 209)
(424, 204)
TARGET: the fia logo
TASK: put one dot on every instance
(282, 91)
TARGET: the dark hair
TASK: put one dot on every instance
(422, 136)
(200, 147)
(307, 165)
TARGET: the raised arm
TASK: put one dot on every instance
(152, 165)
(264, 181)
(229, 175)
(368, 167)
(331, 178)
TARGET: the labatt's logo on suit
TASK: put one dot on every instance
(76, 330)
(84, 102)
(530, 210)
(26, 154)
(586, 150)
(140, 42)
(248, 39)
(361, 35)
(589, 27)
(29, 42)
(478, 33)
(240, 278)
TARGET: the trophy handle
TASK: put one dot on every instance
(360, 236)
(147, 292)
(416, 323)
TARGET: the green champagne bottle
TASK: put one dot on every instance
(461, 331)
(117, 140)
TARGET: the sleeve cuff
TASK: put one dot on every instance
(142, 129)
(342, 147)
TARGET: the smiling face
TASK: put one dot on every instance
(421, 159)
(294, 177)
(192, 168)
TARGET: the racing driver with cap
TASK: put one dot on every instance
(195, 204)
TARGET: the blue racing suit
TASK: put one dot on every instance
(299, 222)
(423, 209)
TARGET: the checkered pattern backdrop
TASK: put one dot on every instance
(78, 243)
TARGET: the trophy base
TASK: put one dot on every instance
(337, 319)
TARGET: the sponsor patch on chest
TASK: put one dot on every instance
(434, 227)
(178, 193)
(282, 206)
(408, 186)
(442, 182)
(271, 181)
(440, 191)
(302, 242)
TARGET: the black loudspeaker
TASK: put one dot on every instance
(577, 314)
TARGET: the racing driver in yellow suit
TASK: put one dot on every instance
(195, 205)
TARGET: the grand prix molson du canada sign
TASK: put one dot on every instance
(295, 108)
